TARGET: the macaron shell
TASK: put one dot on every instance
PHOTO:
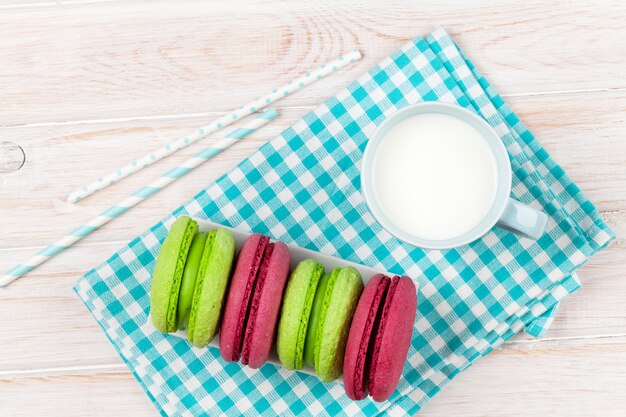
(211, 288)
(342, 295)
(168, 272)
(248, 263)
(295, 311)
(393, 338)
(261, 323)
(355, 366)
(314, 319)
(188, 283)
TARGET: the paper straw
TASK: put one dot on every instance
(213, 126)
(137, 197)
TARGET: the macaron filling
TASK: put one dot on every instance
(364, 355)
(381, 327)
(254, 305)
(188, 283)
(247, 298)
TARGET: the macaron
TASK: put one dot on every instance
(210, 286)
(294, 316)
(379, 338)
(339, 301)
(253, 302)
(168, 273)
(190, 279)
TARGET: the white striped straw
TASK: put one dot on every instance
(137, 197)
(214, 126)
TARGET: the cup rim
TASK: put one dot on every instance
(503, 167)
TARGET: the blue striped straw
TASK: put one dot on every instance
(137, 197)
(221, 123)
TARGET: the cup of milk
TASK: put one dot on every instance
(438, 176)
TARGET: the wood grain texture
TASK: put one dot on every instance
(88, 85)
(75, 61)
(534, 380)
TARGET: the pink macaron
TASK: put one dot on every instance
(253, 302)
(380, 337)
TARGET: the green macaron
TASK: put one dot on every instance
(340, 299)
(295, 310)
(168, 272)
(314, 319)
(188, 283)
(210, 287)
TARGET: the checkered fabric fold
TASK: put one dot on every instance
(303, 188)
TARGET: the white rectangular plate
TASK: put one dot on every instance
(298, 254)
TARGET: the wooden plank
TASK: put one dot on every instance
(62, 157)
(87, 61)
(33, 4)
(99, 394)
(57, 331)
(569, 378)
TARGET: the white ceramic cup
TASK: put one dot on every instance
(504, 212)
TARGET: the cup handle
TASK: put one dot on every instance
(523, 220)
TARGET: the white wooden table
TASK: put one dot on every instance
(87, 85)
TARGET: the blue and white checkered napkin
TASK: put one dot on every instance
(303, 188)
